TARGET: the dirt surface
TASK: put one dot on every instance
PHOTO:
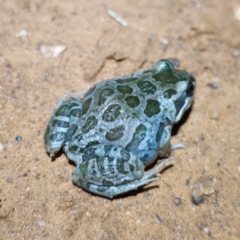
(37, 197)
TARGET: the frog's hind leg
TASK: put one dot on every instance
(65, 115)
(109, 171)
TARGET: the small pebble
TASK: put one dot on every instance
(22, 33)
(200, 225)
(164, 44)
(214, 115)
(237, 13)
(41, 224)
(1, 147)
(236, 53)
(187, 182)
(10, 180)
(202, 138)
(146, 194)
(158, 218)
(18, 138)
(216, 204)
(52, 51)
(213, 86)
(204, 186)
(117, 18)
(177, 201)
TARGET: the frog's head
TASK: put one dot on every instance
(178, 86)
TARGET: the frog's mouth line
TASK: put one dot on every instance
(186, 106)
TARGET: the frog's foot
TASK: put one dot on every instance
(155, 171)
(112, 191)
(109, 171)
(60, 125)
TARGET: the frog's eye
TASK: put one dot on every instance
(191, 87)
(163, 66)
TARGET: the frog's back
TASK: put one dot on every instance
(138, 96)
(124, 112)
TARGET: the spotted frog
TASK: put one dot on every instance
(117, 127)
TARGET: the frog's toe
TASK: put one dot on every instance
(155, 171)
(176, 146)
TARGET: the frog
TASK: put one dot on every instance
(113, 130)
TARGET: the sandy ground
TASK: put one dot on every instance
(37, 197)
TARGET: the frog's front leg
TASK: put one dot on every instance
(60, 126)
(165, 146)
(108, 171)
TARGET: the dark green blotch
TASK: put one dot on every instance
(73, 148)
(121, 167)
(90, 144)
(170, 75)
(76, 112)
(166, 74)
(132, 168)
(169, 93)
(139, 134)
(132, 101)
(57, 137)
(78, 137)
(115, 133)
(124, 89)
(63, 110)
(107, 149)
(104, 94)
(125, 155)
(90, 123)
(165, 77)
(111, 113)
(71, 130)
(47, 130)
(152, 108)
(86, 106)
(60, 123)
(107, 183)
(89, 153)
(147, 87)
(126, 80)
(83, 168)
